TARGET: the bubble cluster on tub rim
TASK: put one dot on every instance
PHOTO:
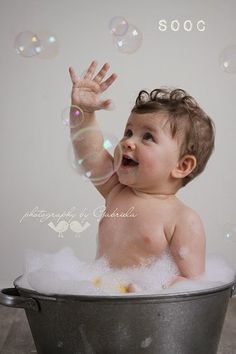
(64, 273)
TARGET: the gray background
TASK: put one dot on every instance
(35, 170)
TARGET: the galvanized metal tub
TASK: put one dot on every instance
(181, 323)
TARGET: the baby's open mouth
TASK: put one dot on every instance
(128, 161)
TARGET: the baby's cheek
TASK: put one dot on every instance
(148, 162)
(154, 158)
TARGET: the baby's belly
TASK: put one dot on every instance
(132, 248)
(123, 260)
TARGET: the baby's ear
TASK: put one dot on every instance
(184, 166)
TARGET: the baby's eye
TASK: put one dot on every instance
(128, 133)
(148, 136)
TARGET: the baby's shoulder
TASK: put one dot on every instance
(187, 215)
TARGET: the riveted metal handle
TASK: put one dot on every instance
(10, 297)
(233, 290)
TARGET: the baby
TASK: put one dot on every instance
(167, 142)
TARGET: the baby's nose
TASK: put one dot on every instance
(129, 144)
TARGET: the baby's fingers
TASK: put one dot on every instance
(90, 71)
(105, 104)
(73, 76)
(104, 85)
(102, 73)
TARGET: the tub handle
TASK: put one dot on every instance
(10, 297)
(233, 290)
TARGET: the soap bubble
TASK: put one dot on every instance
(76, 115)
(44, 44)
(228, 59)
(27, 44)
(229, 232)
(83, 164)
(49, 44)
(130, 42)
(80, 165)
(118, 26)
(183, 252)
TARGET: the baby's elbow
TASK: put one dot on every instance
(193, 271)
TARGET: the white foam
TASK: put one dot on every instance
(63, 273)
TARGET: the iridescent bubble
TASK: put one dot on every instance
(118, 26)
(72, 116)
(227, 59)
(83, 162)
(77, 165)
(49, 44)
(112, 145)
(27, 44)
(130, 42)
(229, 232)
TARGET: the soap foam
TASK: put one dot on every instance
(63, 273)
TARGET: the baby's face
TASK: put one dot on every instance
(149, 152)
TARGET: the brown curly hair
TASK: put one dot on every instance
(186, 118)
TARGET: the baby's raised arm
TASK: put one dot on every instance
(86, 94)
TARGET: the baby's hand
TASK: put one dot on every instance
(133, 288)
(172, 281)
(86, 91)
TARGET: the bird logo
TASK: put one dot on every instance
(61, 227)
(76, 227)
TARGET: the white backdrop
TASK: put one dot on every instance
(35, 172)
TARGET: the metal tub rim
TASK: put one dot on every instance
(177, 296)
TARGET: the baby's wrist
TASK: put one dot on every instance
(78, 110)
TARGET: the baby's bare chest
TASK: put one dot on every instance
(136, 223)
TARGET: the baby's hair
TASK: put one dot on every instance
(187, 120)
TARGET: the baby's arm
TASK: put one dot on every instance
(86, 94)
(188, 246)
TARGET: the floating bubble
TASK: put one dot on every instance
(49, 44)
(72, 116)
(27, 44)
(229, 232)
(130, 42)
(85, 160)
(228, 59)
(79, 165)
(112, 145)
(118, 26)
